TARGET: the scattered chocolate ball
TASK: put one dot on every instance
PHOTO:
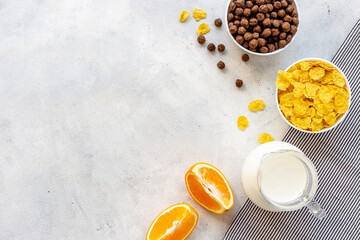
(221, 47)
(211, 47)
(245, 57)
(239, 83)
(221, 65)
(218, 22)
(201, 39)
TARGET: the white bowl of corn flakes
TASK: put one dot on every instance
(313, 95)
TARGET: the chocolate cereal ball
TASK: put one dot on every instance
(240, 39)
(201, 39)
(218, 22)
(221, 47)
(211, 47)
(221, 65)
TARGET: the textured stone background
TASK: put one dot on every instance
(105, 105)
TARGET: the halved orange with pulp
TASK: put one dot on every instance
(175, 222)
(209, 187)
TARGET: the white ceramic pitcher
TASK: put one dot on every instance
(277, 176)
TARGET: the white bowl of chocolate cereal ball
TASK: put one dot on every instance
(262, 27)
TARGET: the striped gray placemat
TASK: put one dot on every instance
(336, 155)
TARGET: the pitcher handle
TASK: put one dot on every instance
(316, 209)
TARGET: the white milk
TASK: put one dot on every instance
(283, 178)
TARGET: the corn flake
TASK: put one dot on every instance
(242, 122)
(184, 15)
(198, 14)
(203, 29)
(311, 90)
(256, 105)
(264, 138)
(316, 73)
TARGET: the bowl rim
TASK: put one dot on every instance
(338, 121)
(256, 53)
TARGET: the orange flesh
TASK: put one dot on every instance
(198, 192)
(175, 224)
(209, 188)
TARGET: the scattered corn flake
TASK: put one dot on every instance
(264, 138)
(256, 105)
(198, 14)
(184, 15)
(203, 29)
(242, 122)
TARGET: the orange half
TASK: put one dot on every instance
(175, 222)
(209, 187)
